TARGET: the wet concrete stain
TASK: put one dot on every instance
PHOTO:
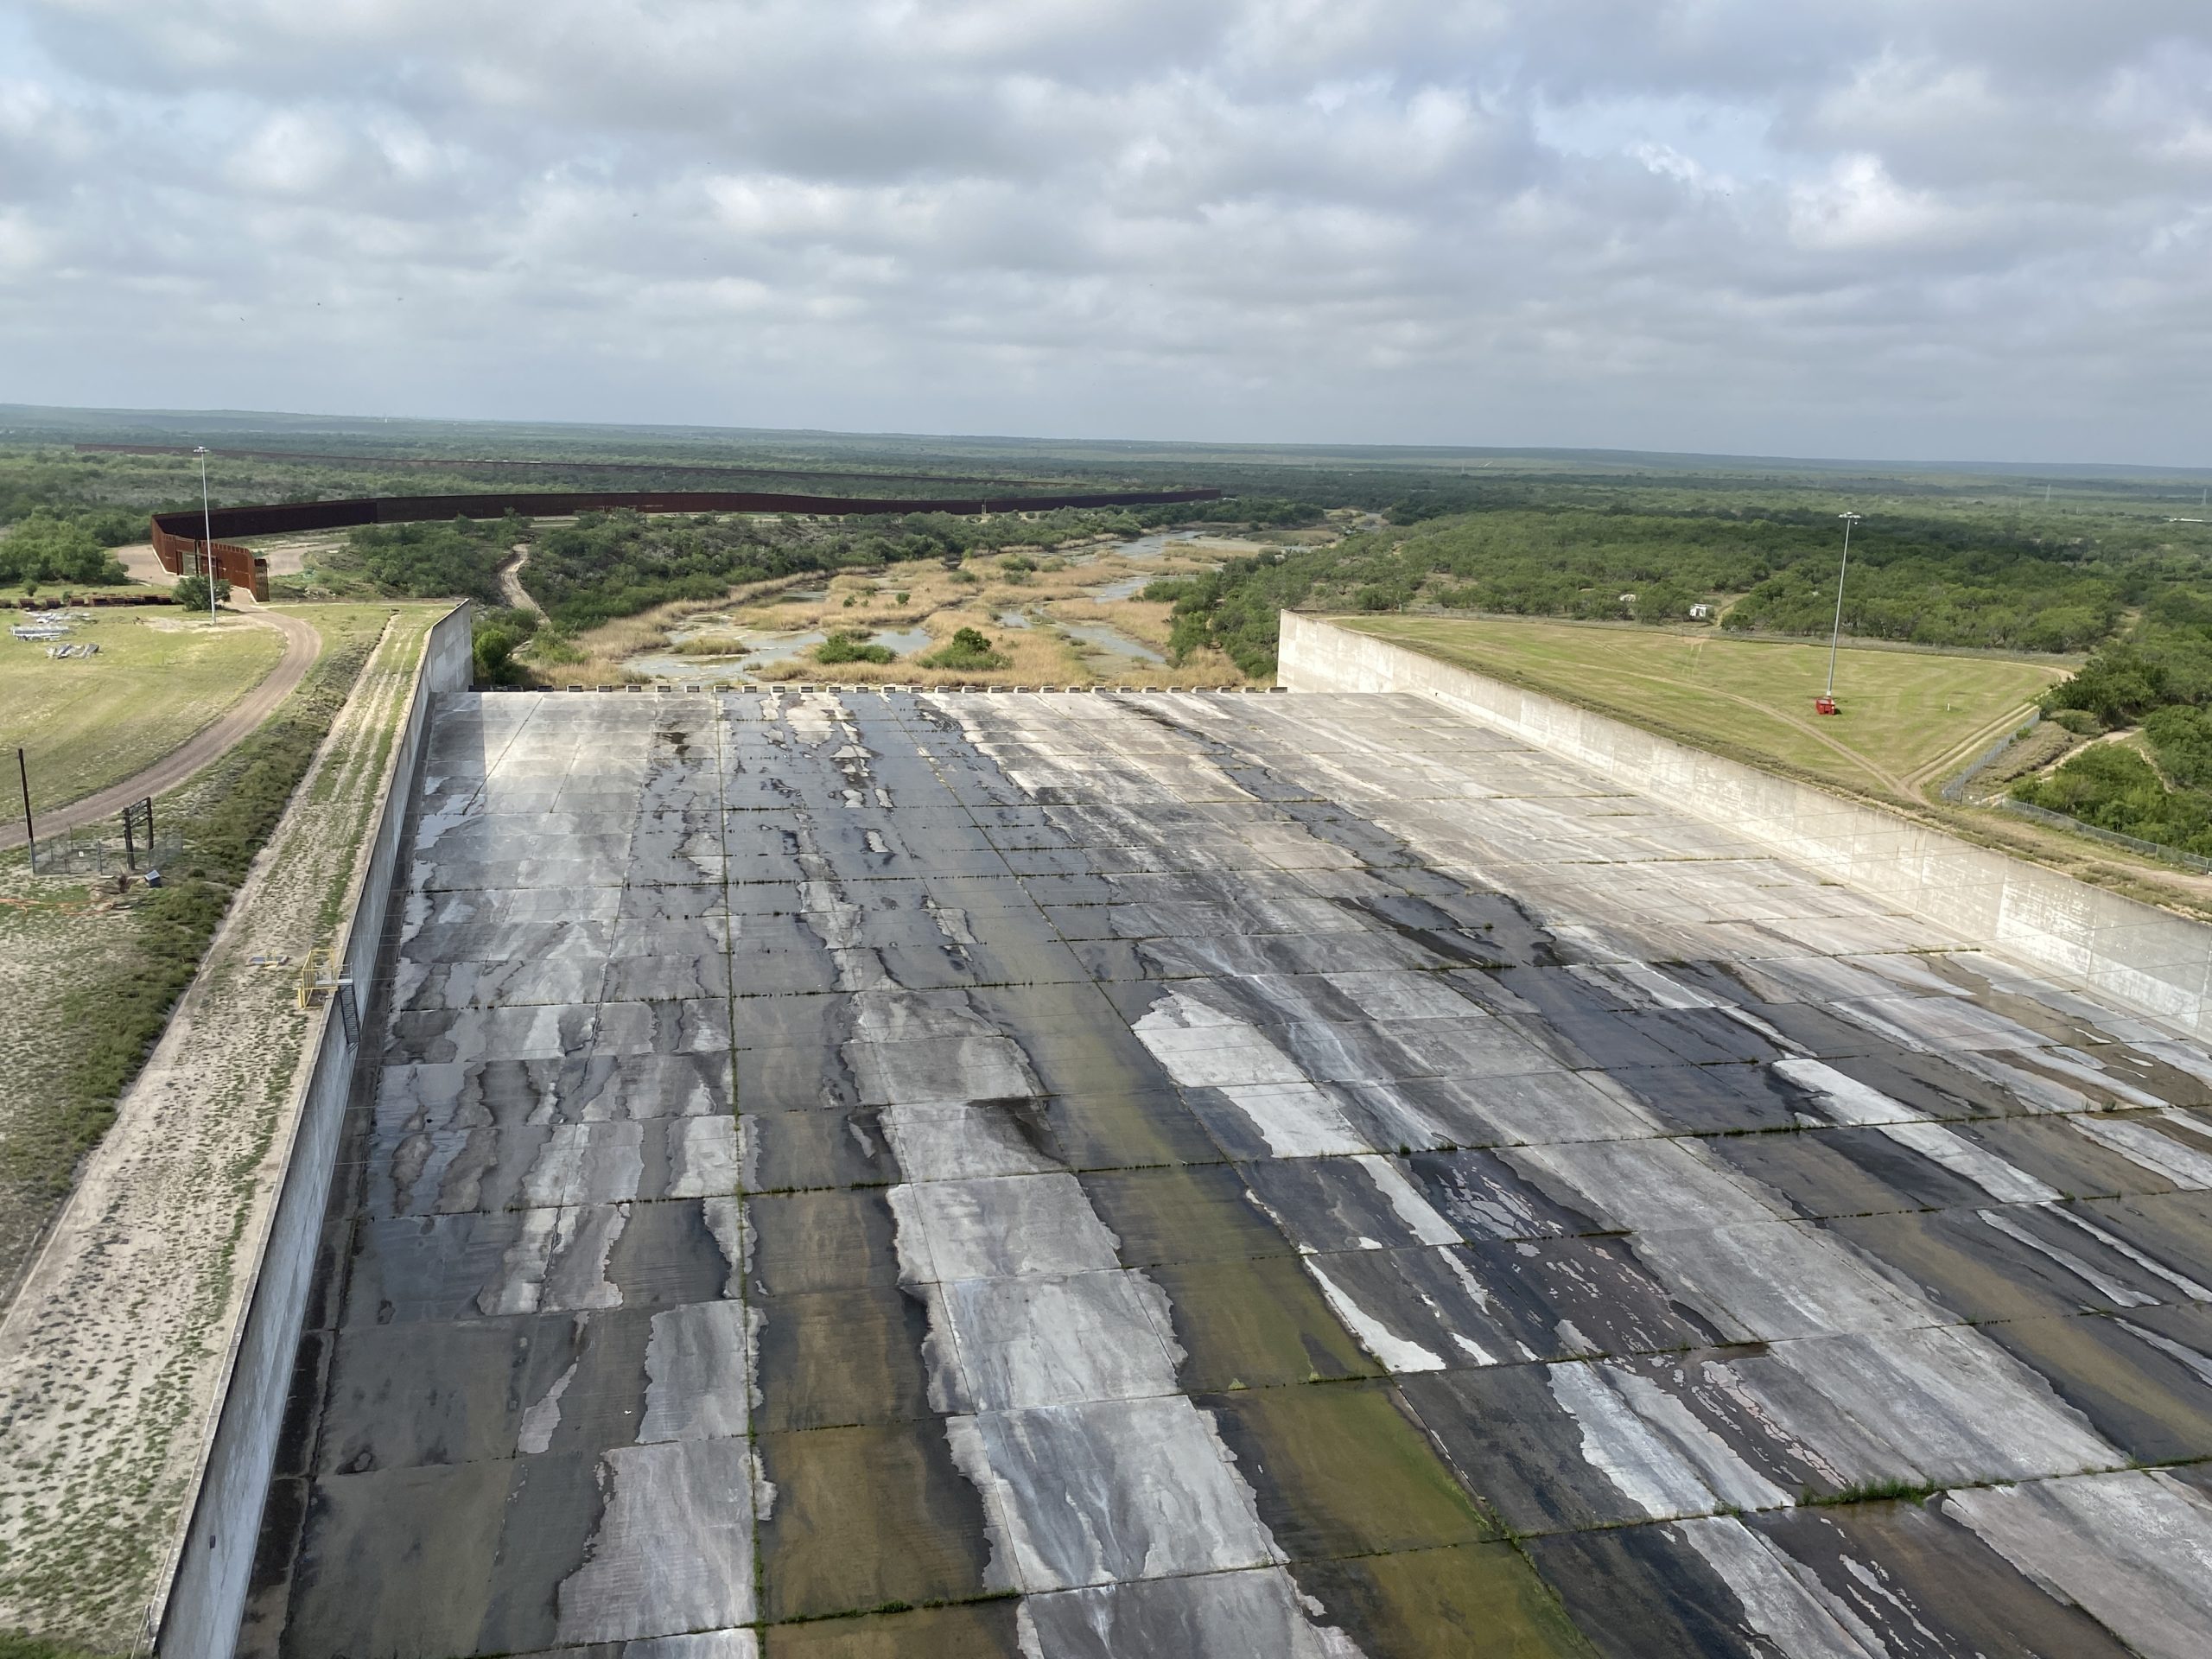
(1130, 1175)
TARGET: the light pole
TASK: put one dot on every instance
(1849, 520)
(206, 532)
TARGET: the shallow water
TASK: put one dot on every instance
(754, 649)
(1102, 637)
(1144, 547)
(905, 641)
(751, 649)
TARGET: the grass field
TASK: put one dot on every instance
(1909, 719)
(158, 678)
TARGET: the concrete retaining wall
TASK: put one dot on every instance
(204, 1595)
(2129, 953)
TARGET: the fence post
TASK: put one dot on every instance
(30, 831)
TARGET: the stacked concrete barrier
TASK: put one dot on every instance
(2133, 953)
(205, 1593)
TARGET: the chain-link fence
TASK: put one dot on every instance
(131, 843)
(2112, 837)
(1956, 789)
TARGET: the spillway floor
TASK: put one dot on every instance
(871, 1173)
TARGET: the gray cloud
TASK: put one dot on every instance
(1941, 228)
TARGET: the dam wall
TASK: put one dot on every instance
(2133, 954)
(205, 1583)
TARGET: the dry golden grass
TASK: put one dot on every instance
(939, 601)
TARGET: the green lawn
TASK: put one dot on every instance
(1908, 718)
(158, 678)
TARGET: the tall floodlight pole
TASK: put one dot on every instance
(1849, 520)
(30, 829)
(206, 532)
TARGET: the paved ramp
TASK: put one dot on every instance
(1076, 1175)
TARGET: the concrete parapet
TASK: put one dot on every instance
(204, 1594)
(2154, 962)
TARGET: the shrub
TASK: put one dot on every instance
(852, 648)
(2115, 788)
(458, 558)
(191, 592)
(969, 649)
(2181, 738)
(46, 547)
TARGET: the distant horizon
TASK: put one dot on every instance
(1703, 227)
(176, 422)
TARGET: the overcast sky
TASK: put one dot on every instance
(1928, 229)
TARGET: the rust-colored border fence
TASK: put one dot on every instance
(177, 543)
(180, 555)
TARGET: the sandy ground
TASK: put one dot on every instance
(144, 566)
(113, 1353)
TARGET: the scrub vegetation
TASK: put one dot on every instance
(456, 559)
(1031, 618)
(1927, 575)
(604, 566)
(2150, 689)
(46, 548)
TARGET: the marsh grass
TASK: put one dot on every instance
(936, 600)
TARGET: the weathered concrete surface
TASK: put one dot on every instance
(1067, 1175)
(2134, 954)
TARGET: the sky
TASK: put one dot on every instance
(1929, 230)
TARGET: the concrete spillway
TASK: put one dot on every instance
(1076, 1175)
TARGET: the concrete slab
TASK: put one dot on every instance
(1183, 1174)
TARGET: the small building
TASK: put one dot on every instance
(1700, 613)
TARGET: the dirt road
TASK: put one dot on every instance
(303, 645)
(511, 587)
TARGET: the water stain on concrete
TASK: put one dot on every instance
(1226, 1176)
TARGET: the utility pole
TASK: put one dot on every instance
(206, 532)
(1849, 520)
